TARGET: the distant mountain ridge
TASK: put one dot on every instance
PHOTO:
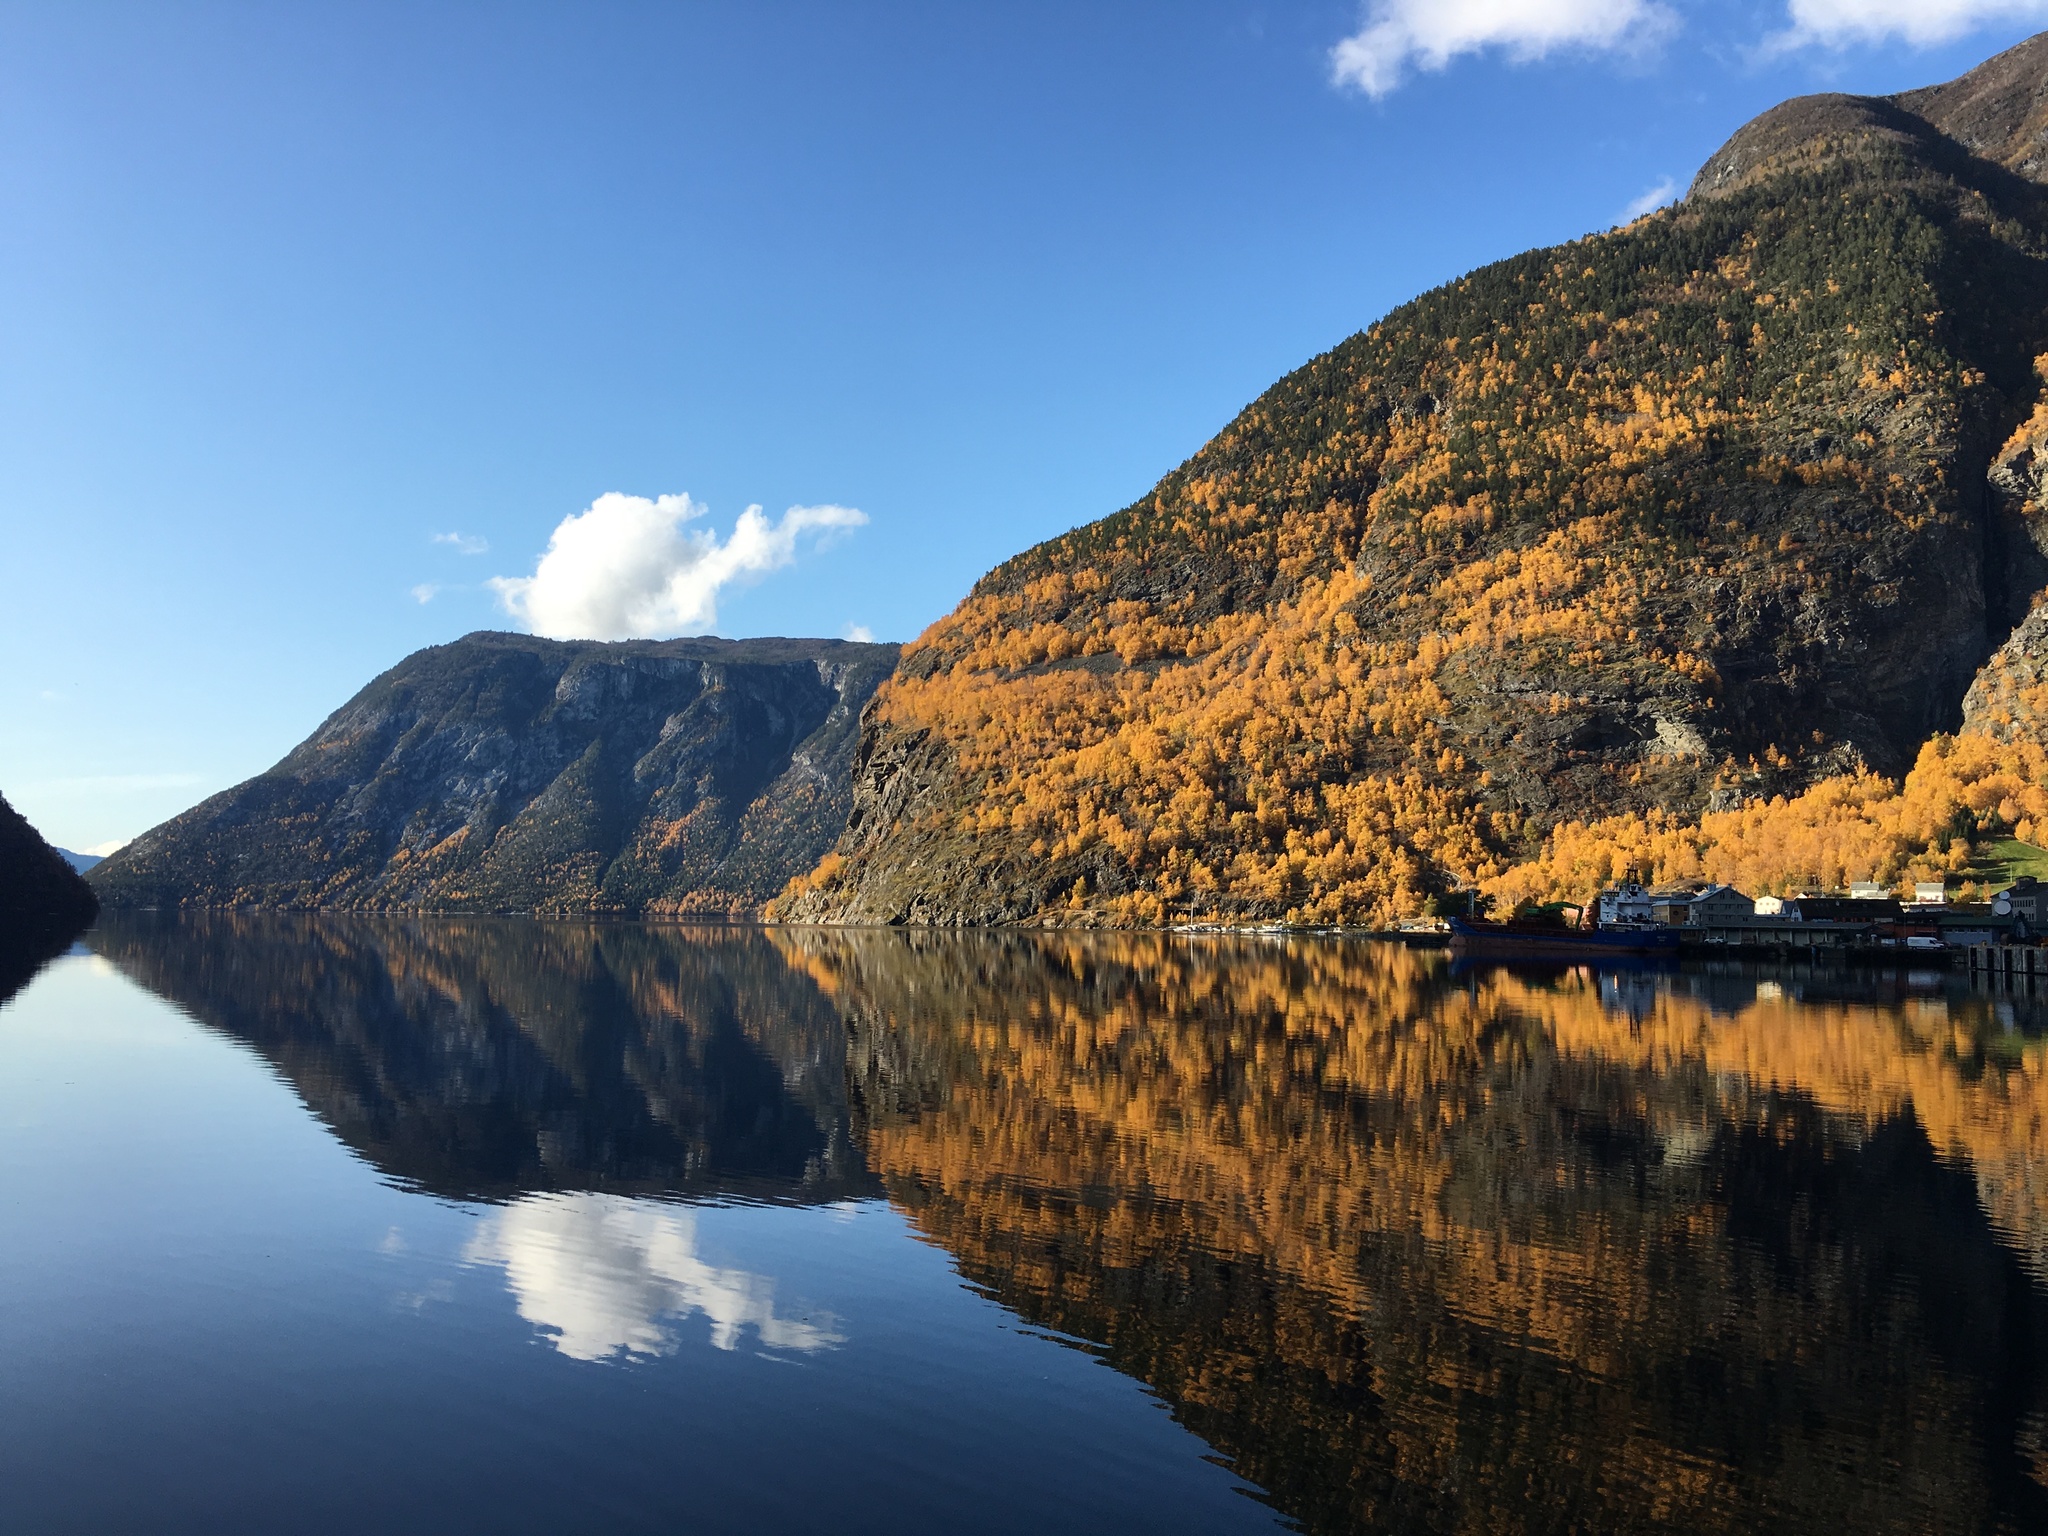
(510, 773)
(1727, 504)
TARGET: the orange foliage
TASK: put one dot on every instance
(1843, 829)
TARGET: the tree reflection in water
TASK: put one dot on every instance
(1488, 1253)
(1415, 1250)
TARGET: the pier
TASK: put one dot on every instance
(2013, 961)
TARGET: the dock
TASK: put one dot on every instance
(2008, 961)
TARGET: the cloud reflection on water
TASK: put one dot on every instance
(602, 1275)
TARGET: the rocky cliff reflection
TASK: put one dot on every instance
(482, 1059)
(1415, 1251)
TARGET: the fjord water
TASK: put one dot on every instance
(341, 1224)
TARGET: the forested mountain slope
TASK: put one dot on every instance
(509, 773)
(1715, 508)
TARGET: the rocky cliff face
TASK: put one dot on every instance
(43, 903)
(508, 773)
(2009, 699)
(1703, 509)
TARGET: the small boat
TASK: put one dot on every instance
(1538, 940)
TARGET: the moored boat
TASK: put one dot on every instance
(1553, 941)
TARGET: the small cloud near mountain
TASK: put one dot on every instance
(1427, 34)
(1650, 201)
(424, 592)
(860, 634)
(627, 567)
(83, 859)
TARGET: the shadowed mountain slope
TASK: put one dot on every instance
(43, 903)
(1674, 518)
(509, 773)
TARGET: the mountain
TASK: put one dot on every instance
(79, 862)
(509, 773)
(1697, 515)
(43, 904)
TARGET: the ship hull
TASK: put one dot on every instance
(1517, 941)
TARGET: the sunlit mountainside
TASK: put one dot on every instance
(1682, 544)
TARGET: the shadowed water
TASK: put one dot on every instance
(504, 1225)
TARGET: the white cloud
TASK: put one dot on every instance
(1650, 201)
(464, 543)
(860, 634)
(1430, 33)
(111, 846)
(424, 592)
(1923, 23)
(599, 1274)
(628, 567)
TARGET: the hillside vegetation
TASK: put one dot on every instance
(1681, 544)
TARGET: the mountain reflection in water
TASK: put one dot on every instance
(484, 1059)
(1412, 1251)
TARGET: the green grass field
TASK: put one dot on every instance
(1999, 864)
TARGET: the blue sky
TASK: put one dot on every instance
(296, 288)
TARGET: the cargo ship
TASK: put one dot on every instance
(1521, 938)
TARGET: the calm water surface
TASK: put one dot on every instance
(339, 1225)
